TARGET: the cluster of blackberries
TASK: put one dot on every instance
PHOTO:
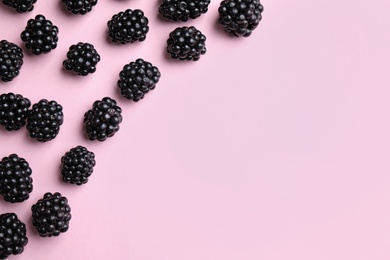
(12, 235)
(137, 78)
(51, 214)
(15, 179)
(77, 165)
(182, 10)
(79, 6)
(40, 35)
(82, 59)
(21, 6)
(11, 60)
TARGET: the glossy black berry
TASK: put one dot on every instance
(13, 111)
(51, 215)
(15, 179)
(128, 26)
(77, 165)
(137, 78)
(44, 120)
(186, 43)
(40, 35)
(13, 237)
(102, 121)
(79, 6)
(21, 6)
(240, 17)
(182, 10)
(11, 60)
(82, 58)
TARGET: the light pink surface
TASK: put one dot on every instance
(273, 147)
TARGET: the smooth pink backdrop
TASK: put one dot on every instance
(272, 147)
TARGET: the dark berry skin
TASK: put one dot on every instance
(51, 215)
(77, 165)
(40, 35)
(240, 17)
(82, 59)
(21, 6)
(13, 237)
(128, 26)
(137, 78)
(13, 111)
(15, 179)
(102, 121)
(186, 43)
(79, 6)
(11, 60)
(44, 120)
(182, 10)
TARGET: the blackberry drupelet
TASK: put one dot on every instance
(128, 26)
(51, 215)
(182, 10)
(77, 165)
(137, 78)
(40, 35)
(186, 43)
(21, 6)
(13, 111)
(15, 179)
(240, 17)
(102, 121)
(11, 60)
(13, 237)
(79, 6)
(44, 120)
(82, 58)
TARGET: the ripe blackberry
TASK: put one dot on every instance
(13, 111)
(182, 10)
(128, 26)
(51, 215)
(77, 165)
(80, 6)
(40, 35)
(137, 78)
(15, 179)
(44, 120)
(82, 59)
(21, 6)
(13, 237)
(240, 17)
(11, 60)
(186, 43)
(102, 121)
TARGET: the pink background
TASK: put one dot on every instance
(273, 147)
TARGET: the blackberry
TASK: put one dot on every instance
(82, 59)
(44, 120)
(51, 215)
(137, 78)
(182, 10)
(21, 6)
(77, 165)
(13, 111)
(80, 6)
(102, 121)
(40, 35)
(11, 60)
(13, 237)
(240, 17)
(186, 43)
(15, 179)
(128, 26)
